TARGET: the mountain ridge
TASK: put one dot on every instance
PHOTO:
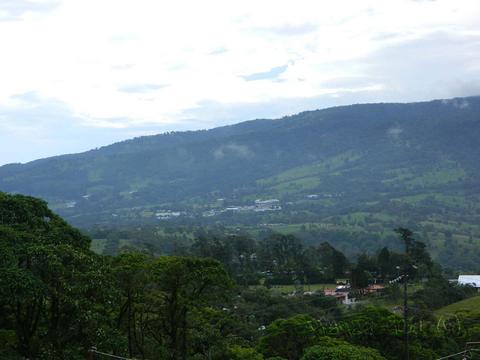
(343, 174)
(227, 137)
(225, 128)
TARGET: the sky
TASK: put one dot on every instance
(76, 75)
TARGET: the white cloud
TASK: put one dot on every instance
(133, 64)
(232, 149)
(20, 9)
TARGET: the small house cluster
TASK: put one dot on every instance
(258, 206)
(267, 205)
(344, 295)
(168, 214)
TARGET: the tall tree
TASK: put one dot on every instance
(132, 275)
(184, 283)
(46, 278)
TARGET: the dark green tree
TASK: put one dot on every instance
(289, 337)
(183, 284)
(48, 278)
(132, 276)
(332, 349)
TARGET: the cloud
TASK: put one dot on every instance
(466, 87)
(394, 132)
(349, 82)
(95, 68)
(33, 127)
(388, 36)
(216, 113)
(232, 149)
(219, 50)
(292, 29)
(457, 103)
(122, 66)
(435, 65)
(271, 74)
(15, 9)
(141, 88)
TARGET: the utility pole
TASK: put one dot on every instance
(405, 314)
(406, 237)
(91, 353)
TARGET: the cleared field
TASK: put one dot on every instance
(291, 288)
(470, 306)
(312, 170)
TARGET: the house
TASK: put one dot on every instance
(472, 280)
(374, 289)
(341, 296)
(267, 205)
(341, 293)
(167, 214)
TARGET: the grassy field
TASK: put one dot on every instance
(285, 289)
(306, 177)
(470, 305)
(297, 185)
(439, 177)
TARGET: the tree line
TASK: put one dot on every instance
(58, 298)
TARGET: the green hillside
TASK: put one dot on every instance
(470, 306)
(343, 174)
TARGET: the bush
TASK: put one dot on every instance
(340, 350)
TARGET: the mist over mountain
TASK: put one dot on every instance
(414, 163)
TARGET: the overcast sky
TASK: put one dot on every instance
(75, 75)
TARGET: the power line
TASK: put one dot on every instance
(453, 355)
(465, 352)
(93, 350)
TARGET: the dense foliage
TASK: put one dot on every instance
(58, 298)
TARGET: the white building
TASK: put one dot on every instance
(168, 214)
(267, 205)
(472, 280)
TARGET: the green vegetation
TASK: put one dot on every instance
(98, 245)
(341, 175)
(340, 350)
(175, 260)
(313, 171)
(470, 306)
(288, 289)
(58, 298)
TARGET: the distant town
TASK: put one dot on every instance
(218, 207)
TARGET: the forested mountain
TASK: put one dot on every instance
(359, 168)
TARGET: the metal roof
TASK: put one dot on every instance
(473, 280)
